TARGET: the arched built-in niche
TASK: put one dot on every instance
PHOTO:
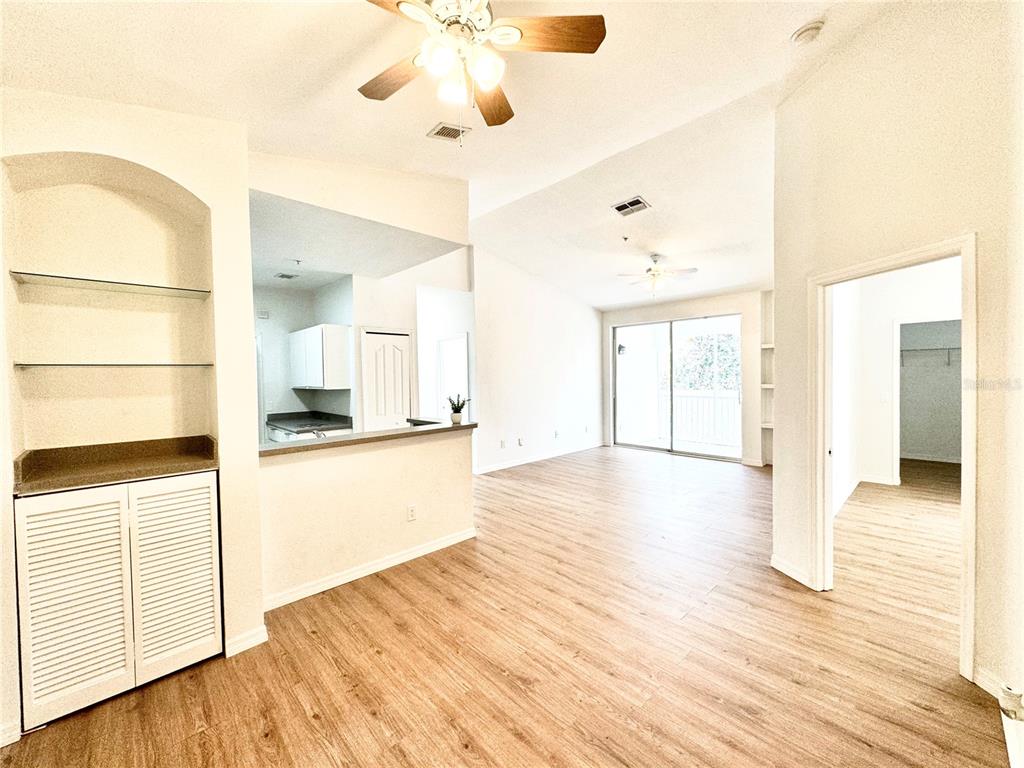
(109, 322)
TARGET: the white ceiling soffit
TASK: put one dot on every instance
(328, 244)
(710, 187)
(290, 71)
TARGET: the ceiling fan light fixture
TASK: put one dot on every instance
(486, 67)
(452, 88)
(505, 34)
(416, 12)
(438, 58)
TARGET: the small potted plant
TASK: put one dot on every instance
(457, 403)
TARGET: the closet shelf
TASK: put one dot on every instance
(767, 386)
(767, 425)
(767, 346)
(69, 281)
(112, 365)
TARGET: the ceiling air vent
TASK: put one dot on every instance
(629, 207)
(448, 132)
(285, 276)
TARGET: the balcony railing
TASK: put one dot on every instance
(707, 418)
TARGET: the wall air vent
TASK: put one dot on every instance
(448, 132)
(631, 206)
(285, 276)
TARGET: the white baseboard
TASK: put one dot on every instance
(791, 570)
(243, 642)
(987, 681)
(1014, 732)
(880, 479)
(519, 461)
(923, 457)
(10, 733)
(752, 463)
(278, 599)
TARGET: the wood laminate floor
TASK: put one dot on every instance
(616, 609)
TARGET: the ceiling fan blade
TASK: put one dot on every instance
(387, 5)
(391, 79)
(679, 272)
(623, 274)
(553, 34)
(494, 106)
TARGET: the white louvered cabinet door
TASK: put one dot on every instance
(175, 572)
(74, 600)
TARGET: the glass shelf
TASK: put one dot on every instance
(67, 281)
(113, 365)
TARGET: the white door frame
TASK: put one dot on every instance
(963, 246)
(414, 394)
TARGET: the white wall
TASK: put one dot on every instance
(919, 294)
(441, 314)
(210, 159)
(538, 358)
(906, 137)
(390, 302)
(748, 306)
(10, 694)
(290, 310)
(336, 514)
(431, 205)
(930, 392)
(845, 401)
(866, 377)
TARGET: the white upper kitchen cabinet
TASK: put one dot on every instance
(321, 357)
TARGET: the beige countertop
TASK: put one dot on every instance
(361, 438)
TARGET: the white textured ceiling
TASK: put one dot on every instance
(290, 72)
(328, 243)
(710, 187)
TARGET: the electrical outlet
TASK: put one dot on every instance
(410, 514)
(503, 444)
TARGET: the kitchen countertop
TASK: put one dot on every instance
(417, 428)
(308, 421)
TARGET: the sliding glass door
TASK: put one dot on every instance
(677, 386)
(643, 402)
(706, 386)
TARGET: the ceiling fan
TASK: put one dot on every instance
(460, 50)
(656, 275)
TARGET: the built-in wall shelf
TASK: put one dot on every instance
(767, 375)
(113, 365)
(69, 281)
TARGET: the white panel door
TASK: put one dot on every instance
(387, 381)
(74, 600)
(176, 572)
